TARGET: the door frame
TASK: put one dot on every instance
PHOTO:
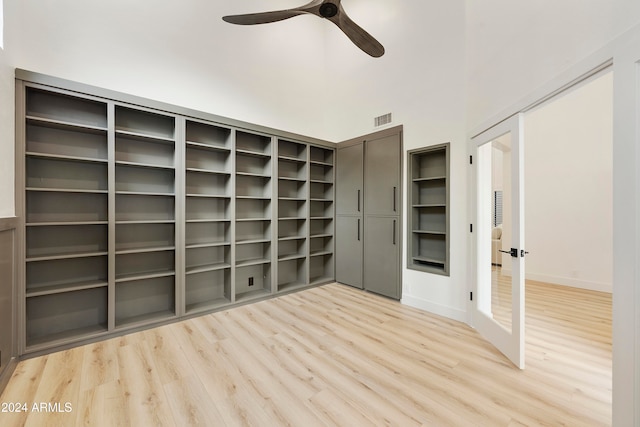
(619, 53)
(626, 229)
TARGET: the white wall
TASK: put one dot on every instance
(181, 52)
(516, 46)
(7, 118)
(176, 52)
(569, 188)
(420, 81)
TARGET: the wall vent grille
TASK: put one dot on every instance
(385, 119)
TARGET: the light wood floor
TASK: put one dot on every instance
(333, 356)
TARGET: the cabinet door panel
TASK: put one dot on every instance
(381, 260)
(349, 250)
(382, 176)
(349, 178)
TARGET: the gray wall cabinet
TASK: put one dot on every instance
(349, 211)
(135, 213)
(349, 250)
(350, 178)
(368, 246)
(382, 176)
(381, 255)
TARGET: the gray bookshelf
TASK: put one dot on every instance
(137, 213)
(66, 217)
(293, 201)
(208, 193)
(253, 215)
(145, 199)
(428, 247)
(321, 214)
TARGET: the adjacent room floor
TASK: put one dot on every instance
(332, 355)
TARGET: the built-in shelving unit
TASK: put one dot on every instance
(145, 200)
(321, 214)
(137, 213)
(429, 205)
(66, 217)
(208, 195)
(292, 214)
(253, 228)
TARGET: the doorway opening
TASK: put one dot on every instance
(568, 202)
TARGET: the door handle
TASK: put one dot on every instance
(358, 229)
(513, 252)
(394, 199)
(358, 200)
(394, 231)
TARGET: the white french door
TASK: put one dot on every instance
(498, 300)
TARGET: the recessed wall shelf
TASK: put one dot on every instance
(428, 247)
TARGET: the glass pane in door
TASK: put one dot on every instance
(494, 265)
(499, 310)
(500, 231)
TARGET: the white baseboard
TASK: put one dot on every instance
(566, 281)
(438, 309)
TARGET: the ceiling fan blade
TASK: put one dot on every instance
(357, 34)
(262, 18)
(329, 9)
(275, 16)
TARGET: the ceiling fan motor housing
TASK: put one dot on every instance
(328, 10)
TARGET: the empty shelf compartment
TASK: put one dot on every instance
(253, 253)
(132, 266)
(65, 108)
(51, 276)
(141, 208)
(208, 135)
(144, 301)
(63, 174)
(206, 233)
(253, 281)
(207, 258)
(76, 314)
(144, 123)
(292, 274)
(140, 237)
(48, 207)
(321, 269)
(207, 290)
(61, 141)
(131, 149)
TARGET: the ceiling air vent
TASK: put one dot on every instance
(385, 119)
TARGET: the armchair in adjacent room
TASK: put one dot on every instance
(496, 245)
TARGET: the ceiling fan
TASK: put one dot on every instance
(329, 9)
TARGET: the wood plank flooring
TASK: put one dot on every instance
(331, 356)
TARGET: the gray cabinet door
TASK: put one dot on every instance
(349, 250)
(381, 259)
(349, 179)
(382, 176)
